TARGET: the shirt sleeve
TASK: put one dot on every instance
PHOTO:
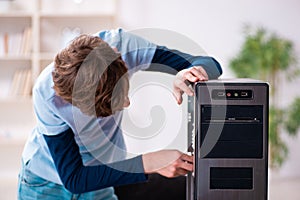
(136, 51)
(78, 178)
(165, 58)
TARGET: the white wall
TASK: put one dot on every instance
(217, 27)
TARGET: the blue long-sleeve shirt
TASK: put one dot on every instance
(86, 153)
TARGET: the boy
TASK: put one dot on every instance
(77, 150)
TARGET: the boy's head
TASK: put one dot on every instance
(90, 75)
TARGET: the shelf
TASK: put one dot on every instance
(77, 15)
(78, 7)
(15, 58)
(16, 15)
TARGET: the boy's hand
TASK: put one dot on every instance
(180, 84)
(168, 163)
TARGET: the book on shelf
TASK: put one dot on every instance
(5, 43)
(1, 44)
(26, 42)
(27, 83)
(16, 43)
(22, 83)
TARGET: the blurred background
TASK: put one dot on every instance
(262, 36)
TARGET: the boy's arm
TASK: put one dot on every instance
(177, 61)
(186, 67)
(78, 178)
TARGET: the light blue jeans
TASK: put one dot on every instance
(33, 187)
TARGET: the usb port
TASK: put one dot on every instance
(221, 94)
(244, 94)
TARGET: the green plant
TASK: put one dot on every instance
(268, 57)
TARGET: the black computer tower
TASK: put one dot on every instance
(228, 135)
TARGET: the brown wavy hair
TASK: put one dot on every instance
(90, 75)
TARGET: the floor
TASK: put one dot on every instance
(10, 153)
